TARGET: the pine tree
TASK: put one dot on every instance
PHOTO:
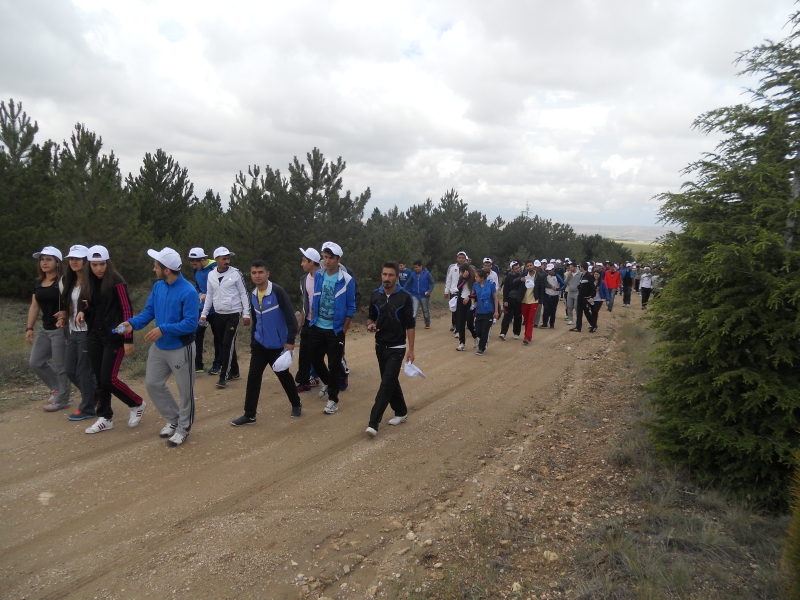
(727, 391)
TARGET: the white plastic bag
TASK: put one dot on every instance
(412, 370)
(529, 282)
(284, 361)
(453, 303)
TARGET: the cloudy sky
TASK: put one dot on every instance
(580, 109)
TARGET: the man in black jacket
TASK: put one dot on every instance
(586, 292)
(539, 287)
(513, 291)
(391, 319)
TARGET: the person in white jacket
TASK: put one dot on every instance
(451, 282)
(227, 294)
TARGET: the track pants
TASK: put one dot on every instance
(79, 369)
(303, 356)
(626, 294)
(529, 312)
(585, 309)
(199, 336)
(179, 363)
(50, 344)
(227, 327)
(390, 361)
(106, 357)
(513, 312)
(483, 323)
(324, 342)
(550, 310)
(465, 319)
(646, 296)
(260, 358)
(572, 303)
(454, 317)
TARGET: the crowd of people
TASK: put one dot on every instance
(88, 323)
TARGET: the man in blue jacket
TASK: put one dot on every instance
(273, 329)
(403, 276)
(333, 307)
(202, 267)
(420, 288)
(174, 305)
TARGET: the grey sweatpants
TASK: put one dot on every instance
(180, 363)
(572, 304)
(50, 344)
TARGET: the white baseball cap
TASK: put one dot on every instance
(77, 251)
(49, 251)
(167, 257)
(335, 248)
(512, 263)
(222, 251)
(197, 253)
(462, 252)
(537, 263)
(97, 254)
(487, 260)
(550, 267)
(311, 254)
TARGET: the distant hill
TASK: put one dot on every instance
(622, 233)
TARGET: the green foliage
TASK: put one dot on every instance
(728, 387)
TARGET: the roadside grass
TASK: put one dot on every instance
(14, 351)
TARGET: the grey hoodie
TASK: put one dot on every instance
(573, 280)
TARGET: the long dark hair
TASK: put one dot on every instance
(40, 274)
(90, 281)
(470, 280)
(69, 280)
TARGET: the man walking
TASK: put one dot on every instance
(613, 282)
(421, 288)
(310, 265)
(513, 292)
(228, 296)
(391, 319)
(202, 267)
(173, 303)
(539, 287)
(274, 331)
(572, 281)
(451, 282)
(586, 293)
(332, 308)
(404, 276)
(626, 275)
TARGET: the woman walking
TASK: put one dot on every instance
(104, 304)
(77, 363)
(601, 295)
(50, 344)
(486, 308)
(464, 314)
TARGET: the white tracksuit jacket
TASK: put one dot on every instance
(227, 296)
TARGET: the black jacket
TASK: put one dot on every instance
(586, 288)
(392, 315)
(104, 313)
(539, 285)
(514, 287)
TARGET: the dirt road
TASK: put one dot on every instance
(282, 508)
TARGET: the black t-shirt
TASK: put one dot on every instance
(48, 298)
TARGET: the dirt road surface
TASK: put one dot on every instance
(282, 509)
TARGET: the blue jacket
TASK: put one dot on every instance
(201, 280)
(273, 323)
(404, 278)
(344, 298)
(483, 297)
(419, 283)
(175, 308)
(603, 290)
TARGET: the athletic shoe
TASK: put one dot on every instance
(480, 352)
(176, 440)
(592, 329)
(456, 336)
(200, 370)
(535, 326)
(552, 326)
(461, 347)
(503, 336)
(516, 337)
(452, 329)
(576, 329)
(303, 387)
(79, 416)
(474, 342)
(324, 391)
(214, 371)
(136, 414)
(525, 342)
(344, 384)
(569, 322)
(372, 432)
(234, 377)
(168, 430)
(331, 407)
(243, 420)
(100, 425)
(397, 420)
(427, 326)
(314, 381)
(566, 318)
(222, 383)
(296, 410)
(52, 407)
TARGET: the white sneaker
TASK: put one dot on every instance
(516, 337)
(136, 414)
(371, 431)
(323, 391)
(100, 425)
(176, 440)
(168, 430)
(331, 407)
(569, 322)
(503, 336)
(456, 336)
(474, 342)
(397, 420)
(461, 347)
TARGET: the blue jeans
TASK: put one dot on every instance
(425, 301)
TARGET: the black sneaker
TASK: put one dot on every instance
(296, 410)
(234, 377)
(214, 371)
(243, 420)
(222, 383)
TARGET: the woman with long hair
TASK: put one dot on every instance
(104, 304)
(77, 363)
(486, 307)
(464, 314)
(49, 344)
(601, 295)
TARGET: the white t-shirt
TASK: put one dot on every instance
(76, 292)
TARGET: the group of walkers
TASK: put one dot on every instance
(88, 324)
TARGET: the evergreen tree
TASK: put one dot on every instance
(728, 386)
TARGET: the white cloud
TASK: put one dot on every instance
(616, 165)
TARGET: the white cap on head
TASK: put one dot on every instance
(558, 261)
(628, 265)
(97, 254)
(49, 251)
(512, 263)
(460, 252)
(167, 257)
(197, 253)
(222, 251)
(598, 264)
(550, 267)
(334, 248)
(537, 263)
(487, 260)
(311, 254)
(78, 251)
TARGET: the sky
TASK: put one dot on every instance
(579, 111)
